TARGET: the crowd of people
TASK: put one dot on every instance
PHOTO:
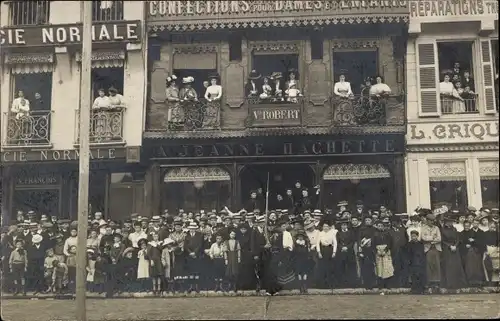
(248, 250)
(457, 90)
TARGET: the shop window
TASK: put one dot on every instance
(273, 76)
(457, 86)
(356, 67)
(194, 196)
(126, 195)
(451, 192)
(490, 192)
(29, 12)
(373, 192)
(107, 10)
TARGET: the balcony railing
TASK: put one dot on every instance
(193, 115)
(106, 125)
(107, 10)
(28, 129)
(451, 105)
(274, 113)
(364, 110)
(24, 13)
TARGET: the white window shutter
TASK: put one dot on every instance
(428, 78)
(488, 77)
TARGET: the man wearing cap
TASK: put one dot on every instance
(257, 245)
(193, 247)
(342, 206)
(253, 203)
(36, 258)
(25, 233)
(306, 201)
(360, 208)
(20, 217)
(399, 239)
(288, 201)
(472, 249)
(366, 253)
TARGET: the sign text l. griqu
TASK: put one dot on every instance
(126, 31)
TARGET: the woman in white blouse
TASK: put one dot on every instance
(380, 89)
(342, 88)
(449, 95)
(213, 94)
(326, 248)
(102, 101)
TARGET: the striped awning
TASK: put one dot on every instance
(489, 170)
(444, 172)
(105, 59)
(194, 174)
(30, 63)
(339, 172)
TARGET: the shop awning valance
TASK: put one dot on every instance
(443, 172)
(105, 59)
(193, 174)
(30, 63)
(339, 172)
(489, 170)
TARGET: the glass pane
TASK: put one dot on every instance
(41, 201)
(193, 196)
(490, 192)
(373, 192)
(453, 193)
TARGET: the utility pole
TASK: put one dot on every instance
(83, 177)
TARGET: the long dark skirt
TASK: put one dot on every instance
(433, 271)
(326, 267)
(267, 273)
(246, 278)
(453, 272)
(474, 271)
(367, 267)
(283, 263)
(218, 268)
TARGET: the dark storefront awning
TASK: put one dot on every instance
(339, 172)
(193, 174)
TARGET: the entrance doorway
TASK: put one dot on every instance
(281, 177)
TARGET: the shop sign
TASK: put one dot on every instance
(159, 10)
(47, 155)
(63, 35)
(275, 148)
(452, 8)
(460, 132)
(43, 179)
(263, 116)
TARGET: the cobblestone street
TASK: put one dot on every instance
(282, 307)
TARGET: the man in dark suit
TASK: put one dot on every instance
(253, 203)
(345, 257)
(193, 247)
(36, 258)
(257, 246)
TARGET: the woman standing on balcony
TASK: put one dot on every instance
(115, 99)
(213, 94)
(448, 94)
(20, 105)
(342, 88)
(175, 114)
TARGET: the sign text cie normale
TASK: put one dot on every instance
(70, 34)
(55, 155)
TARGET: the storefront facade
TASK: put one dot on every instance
(40, 85)
(207, 154)
(452, 137)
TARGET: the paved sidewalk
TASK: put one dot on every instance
(201, 294)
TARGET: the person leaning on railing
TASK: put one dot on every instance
(20, 105)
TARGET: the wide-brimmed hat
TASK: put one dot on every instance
(128, 250)
(155, 218)
(317, 213)
(187, 80)
(254, 75)
(143, 240)
(276, 75)
(37, 238)
(168, 241)
(309, 224)
(193, 225)
(113, 90)
(300, 232)
(342, 203)
(260, 219)
(213, 76)
(171, 78)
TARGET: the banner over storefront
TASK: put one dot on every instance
(189, 15)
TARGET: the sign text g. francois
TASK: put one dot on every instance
(63, 35)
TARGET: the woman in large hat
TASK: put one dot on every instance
(213, 94)
(453, 272)
(187, 93)
(472, 250)
(278, 86)
(175, 111)
(302, 260)
(251, 87)
(431, 237)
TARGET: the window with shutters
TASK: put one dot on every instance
(457, 89)
(494, 49)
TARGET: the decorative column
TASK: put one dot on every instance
(318, 170)
(152, 191)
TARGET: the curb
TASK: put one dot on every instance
(204, 294)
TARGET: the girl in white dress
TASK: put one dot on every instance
(143, 264)
(213, 94)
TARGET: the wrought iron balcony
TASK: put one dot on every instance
(452, 105)
(274, 112)
(193, 115)
(106, 125)
(23, 13)
(107, 10)
(28, 129)
(369, 111)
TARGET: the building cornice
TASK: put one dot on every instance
(453, 148)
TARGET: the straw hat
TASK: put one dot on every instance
(254, 75)
(187, 80)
